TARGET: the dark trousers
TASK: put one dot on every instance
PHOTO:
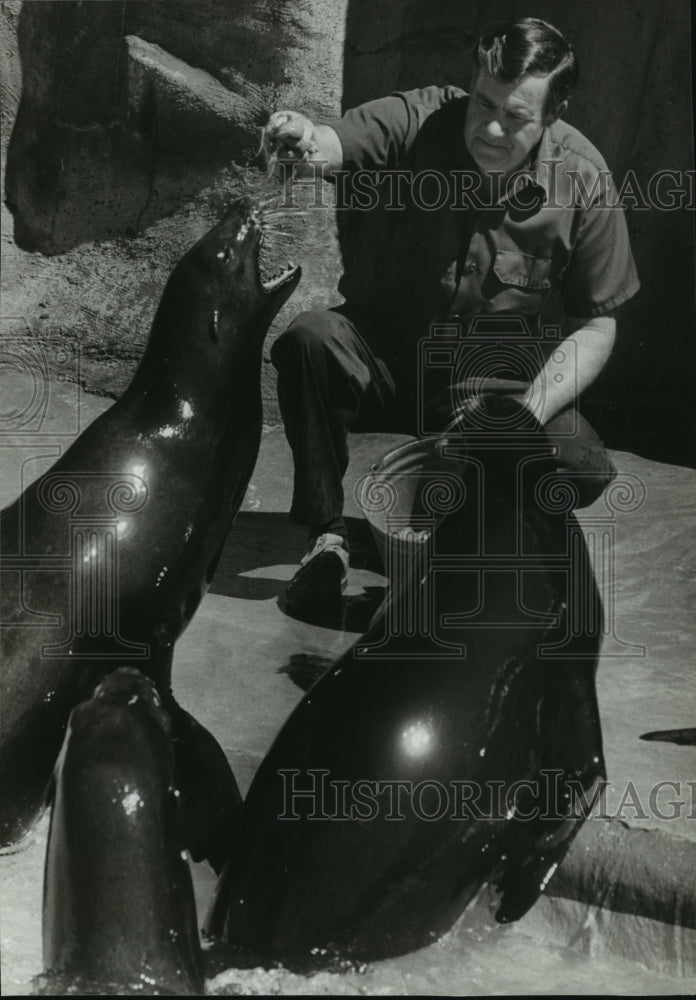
(331, 381)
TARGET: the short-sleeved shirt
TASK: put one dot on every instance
(440, 250)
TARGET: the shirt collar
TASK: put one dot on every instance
(531, 188)
(540, 162)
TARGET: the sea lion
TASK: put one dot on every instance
(105, 558)
(118, 911)
(426, 763)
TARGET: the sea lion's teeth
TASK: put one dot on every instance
(279, 278)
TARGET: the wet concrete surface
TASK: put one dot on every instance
(230, 672)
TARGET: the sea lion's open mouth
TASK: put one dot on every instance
(273, 275)
(280, 278)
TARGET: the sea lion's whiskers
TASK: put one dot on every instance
(286, 208)
(269, 201)
(276, 218)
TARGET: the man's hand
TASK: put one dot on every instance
(290, 135)
(287, 136)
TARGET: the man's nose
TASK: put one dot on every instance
(494, 129)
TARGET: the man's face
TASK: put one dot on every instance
(504, 121)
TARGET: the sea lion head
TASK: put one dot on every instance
(218, 283)
(128, 688)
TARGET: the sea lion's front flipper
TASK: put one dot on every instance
(568, 784)
(527, 873)
(210, 799)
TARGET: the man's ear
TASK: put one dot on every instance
(552, 116)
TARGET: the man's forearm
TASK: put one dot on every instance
(572, 367)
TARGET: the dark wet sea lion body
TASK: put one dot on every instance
(362, 870)
(119, 909)
(154, 483)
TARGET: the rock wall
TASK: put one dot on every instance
(132, 116)
(126, 127)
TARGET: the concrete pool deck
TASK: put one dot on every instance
(627, 884)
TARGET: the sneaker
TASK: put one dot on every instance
(321, 578)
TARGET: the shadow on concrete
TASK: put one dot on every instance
(304, 669)
(354, 614)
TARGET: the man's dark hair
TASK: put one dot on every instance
(532, 46)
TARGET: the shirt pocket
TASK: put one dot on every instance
(523, 271)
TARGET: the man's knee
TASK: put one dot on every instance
(308, 332)
(588, 484)
(582, 458)
(588, 467)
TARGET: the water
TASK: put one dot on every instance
(477, 958)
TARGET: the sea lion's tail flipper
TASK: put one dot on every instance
(210, 799)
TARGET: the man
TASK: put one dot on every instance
(524, 214)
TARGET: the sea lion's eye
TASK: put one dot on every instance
(224, 254)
